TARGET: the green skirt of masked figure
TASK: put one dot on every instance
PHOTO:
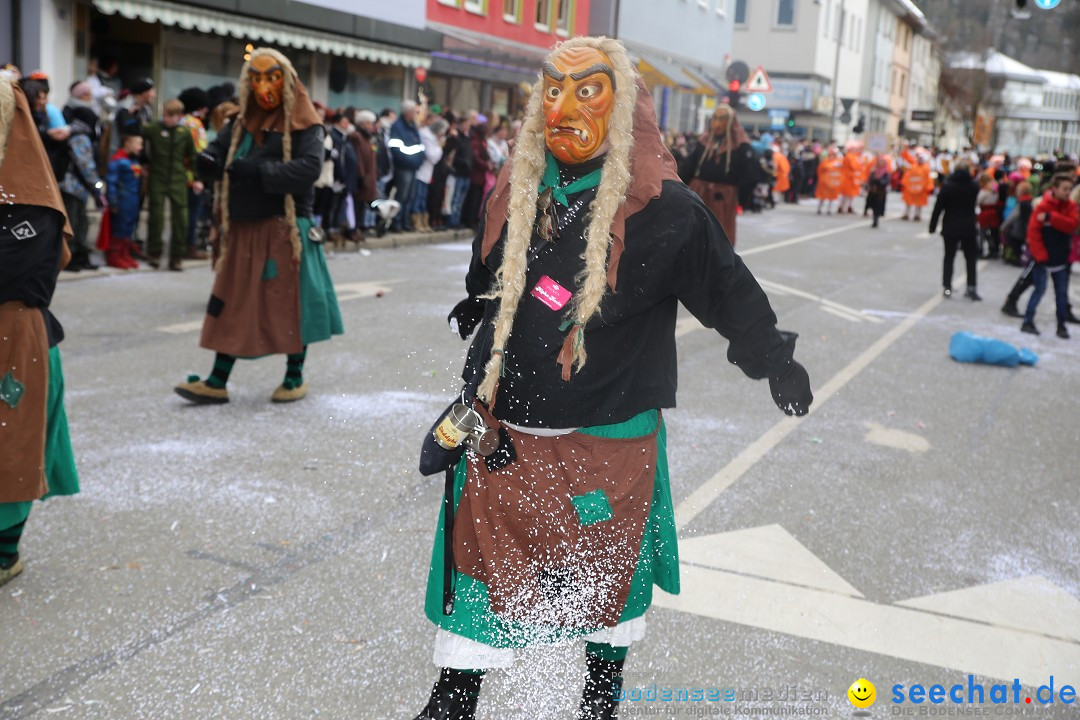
(657, 565)
(60, 472)
(320, 316)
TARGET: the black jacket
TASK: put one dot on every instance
(266, 198)
(675, 252)
(28, 266)
(463, 154)
(957, 201)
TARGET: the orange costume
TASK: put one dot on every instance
(783, 172)
(851, 172)
(830, 177)
(916, 185)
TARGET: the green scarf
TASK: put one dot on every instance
(551, 180)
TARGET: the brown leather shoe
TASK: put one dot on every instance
(195, 253)
(175, 265)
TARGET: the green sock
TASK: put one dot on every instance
(294, 370)
(611, 653)
(223, 365)
(9, 544)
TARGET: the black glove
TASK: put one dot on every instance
(791, 389)
(242, 170)
(465, 316)
(209, 164)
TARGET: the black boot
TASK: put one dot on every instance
(453, 697)
(598, 700)
(1010, 309)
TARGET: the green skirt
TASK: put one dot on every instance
(320, 316)
(60, 472)
(658, 563)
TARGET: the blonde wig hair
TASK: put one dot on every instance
(288, 101)
(7, 113)
(527, 170)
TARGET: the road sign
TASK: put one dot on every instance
(755, 101)
(922, 115)
(1047, 4)
(877, 143)
(758, 81)
(845, 117)
(738, 70)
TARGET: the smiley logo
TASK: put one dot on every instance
(862, 693)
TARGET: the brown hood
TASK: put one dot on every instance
(650, 164)
(26, 175)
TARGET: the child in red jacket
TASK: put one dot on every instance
(1049, 238)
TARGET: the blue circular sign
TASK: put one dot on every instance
(1047, 4)
(755, 102)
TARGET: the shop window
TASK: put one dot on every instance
(564, 16)
(512, 11)
(478, 7)
(543, 15)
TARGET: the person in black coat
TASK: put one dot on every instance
(956, 204)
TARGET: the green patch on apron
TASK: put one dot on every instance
(270, 269)
(11, 390)
(658, 563)
(592, 507)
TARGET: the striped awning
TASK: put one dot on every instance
(246, 28)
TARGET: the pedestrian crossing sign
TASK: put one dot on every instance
(1047, 4)
(758, 81)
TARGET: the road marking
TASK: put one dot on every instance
(897, 439)
(848, 313)
(802, 238)
(356, 290)
(768, 552)
(1029, 603)
(711, 489)
(345, 292)
(920, 636)
(179, 328)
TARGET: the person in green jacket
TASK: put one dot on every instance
(171, 149)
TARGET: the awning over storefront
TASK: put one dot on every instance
(483, 57)
(219, 23)
(671, 72)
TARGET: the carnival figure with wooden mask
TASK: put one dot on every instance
(272, 293)
(589, 242)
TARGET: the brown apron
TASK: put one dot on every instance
(24, 383)
(556, 535)
(254, 309)
(723, 200)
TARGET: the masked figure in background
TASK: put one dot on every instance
(588, 243)
(273, 293)
(36, 460)
(721, 168)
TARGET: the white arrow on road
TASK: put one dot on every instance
(1025, 628)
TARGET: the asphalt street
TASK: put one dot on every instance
(269, 561)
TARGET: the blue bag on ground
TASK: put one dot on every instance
(971, 348)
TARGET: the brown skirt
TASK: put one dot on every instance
(556, 535)
(254, 309)
(723, 200)
(24, 388)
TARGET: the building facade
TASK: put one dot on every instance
(804, 46)
(1032, 112)
(680, 47)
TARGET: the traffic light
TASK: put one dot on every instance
(790, 122)
(902, 127)
(733, 94)
(860, 127)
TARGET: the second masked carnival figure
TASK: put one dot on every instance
(557, 520)
(272, 294)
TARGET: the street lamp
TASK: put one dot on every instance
(836, 75)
